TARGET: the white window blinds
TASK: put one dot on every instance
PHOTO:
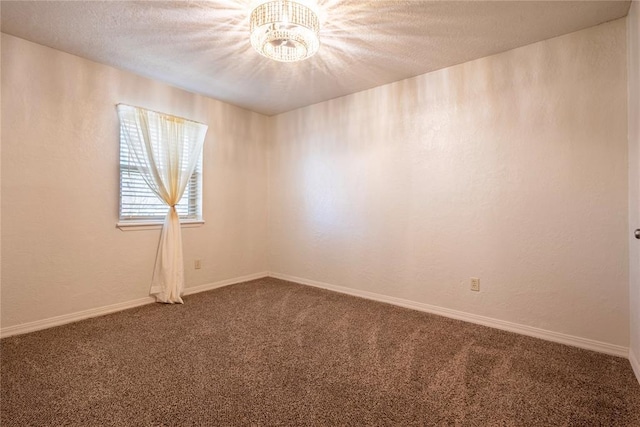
(139, 203)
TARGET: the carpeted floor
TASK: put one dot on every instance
(269, 352)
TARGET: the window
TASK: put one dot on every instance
(139, 204)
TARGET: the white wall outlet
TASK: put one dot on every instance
(475, 284)
(197, 264)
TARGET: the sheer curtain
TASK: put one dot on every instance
(165, 149)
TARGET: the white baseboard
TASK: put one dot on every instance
(222, 283)
(635, 364)
(571, 340)
(100, 311)
(37, 325)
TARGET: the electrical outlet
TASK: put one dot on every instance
(475, 284)
(197, 264)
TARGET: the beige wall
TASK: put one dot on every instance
(511, 168)
(0, 188)
(633, 47)
(62, 250)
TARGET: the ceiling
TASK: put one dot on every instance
(203, 46)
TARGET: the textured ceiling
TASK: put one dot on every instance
(204, 46)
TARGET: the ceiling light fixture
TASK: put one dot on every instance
(285, 30)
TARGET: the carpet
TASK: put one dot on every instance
(275, 353)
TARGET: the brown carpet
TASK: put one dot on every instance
(270, 353)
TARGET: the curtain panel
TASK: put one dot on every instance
(165, 149)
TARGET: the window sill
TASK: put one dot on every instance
(155, 225)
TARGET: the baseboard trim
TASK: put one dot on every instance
(571, 340)
(635, 364)
(38, 325)
(222, 283)
(101, 311)
(601, 347)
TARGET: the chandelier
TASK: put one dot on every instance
(284, 30)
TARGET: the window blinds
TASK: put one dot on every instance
(139, 203)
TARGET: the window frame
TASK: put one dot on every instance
(194, 217)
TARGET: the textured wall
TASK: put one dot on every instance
(633, 47)
(0, 191)
(511, 168)
(62, 251)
